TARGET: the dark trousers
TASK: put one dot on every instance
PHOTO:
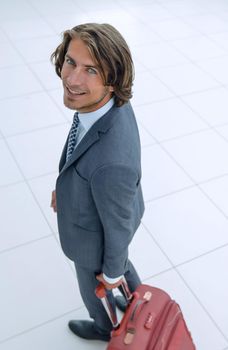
(87, 283)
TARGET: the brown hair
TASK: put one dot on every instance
(109, 50)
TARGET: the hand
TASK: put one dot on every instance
(53, 201)
(108, 285)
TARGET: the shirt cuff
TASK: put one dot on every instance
(112, 280)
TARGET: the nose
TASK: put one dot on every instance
(75, 77)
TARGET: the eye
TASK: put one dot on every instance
(91, 70)
(69, 61)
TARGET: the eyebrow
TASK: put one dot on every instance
(85, 65)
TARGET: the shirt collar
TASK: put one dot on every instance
(88, 119)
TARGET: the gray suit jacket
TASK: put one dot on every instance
(98, 192)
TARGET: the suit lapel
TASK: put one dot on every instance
(92, 136)
(88, 140)
(63, 156)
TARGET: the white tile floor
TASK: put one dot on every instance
(181, 101)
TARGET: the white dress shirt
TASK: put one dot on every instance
(88, 119)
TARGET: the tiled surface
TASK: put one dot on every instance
(42, 147)
(43, 48)
(53, 335)
(49, 80)
(10, 172)
(161, 174)
(35, 262)
(211, 105)
(18, 29)
(20, 229)
(180, 100)
(149, 89)
(202, 155)
(173, 29)
(162, 125)
(216, 68)
(152, 261)
(163, 55)
(185, 78)
(199, 48)
(214, 264)
(41, 188)
(13, 76)
(26, 114)
(177, 220)
(215, 190)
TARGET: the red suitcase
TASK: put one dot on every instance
(152, 321)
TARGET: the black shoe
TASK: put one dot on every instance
(121, 303)
(87, 330)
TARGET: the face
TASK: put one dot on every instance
(83, 86)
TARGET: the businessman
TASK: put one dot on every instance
(98, 197)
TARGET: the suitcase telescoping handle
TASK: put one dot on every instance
(101, 293)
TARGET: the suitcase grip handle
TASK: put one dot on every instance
(101, 293)
(125, 290)
(136, 312)
(130, 317)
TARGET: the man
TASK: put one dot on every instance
(98, 197)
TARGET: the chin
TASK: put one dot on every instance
(69, 104)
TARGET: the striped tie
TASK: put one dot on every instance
(72, 136)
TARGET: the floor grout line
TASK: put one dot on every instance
(197, 184)
(35, 198)
(25, 244)
(40, 325)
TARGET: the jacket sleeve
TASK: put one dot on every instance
(114, 188)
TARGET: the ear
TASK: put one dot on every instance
(111, 88)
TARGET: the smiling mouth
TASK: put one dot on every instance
(75, 93)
